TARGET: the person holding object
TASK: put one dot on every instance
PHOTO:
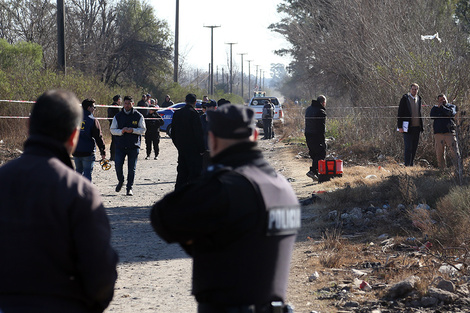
(128, 126)
(410, 122)
(90, 134)
(55, 236)
(315, 119)
(444, 126)
(240, 237)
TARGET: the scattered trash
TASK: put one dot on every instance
(449, 269)
(371, 177)
(313, 277)
(365, 286)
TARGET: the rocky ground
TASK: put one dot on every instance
(377, 274)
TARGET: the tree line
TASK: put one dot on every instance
(366, 53)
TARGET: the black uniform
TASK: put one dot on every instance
(152, 135)
(187, 136)
(241, 219)
(315, 117)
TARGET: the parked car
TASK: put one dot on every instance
(167, 114)
(257, 103)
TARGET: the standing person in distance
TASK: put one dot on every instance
(240, 237)
(268, 115)
(167, 102)
(211, 105)
(128, 126)
(153, 122)
(143, 103)
(187, 136)
(410, 122)
(444, 126)
(112, 111)
(315, 119)
(54, 232)
(90, 135)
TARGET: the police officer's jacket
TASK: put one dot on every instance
(90, 133)
(239, 223)
(186, 130)
(315, 117)
(133, 119)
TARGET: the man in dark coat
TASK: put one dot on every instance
(187, 136)
(268, 116)
(315, 118)
(153, 121)
(54, 233)
(168, 102)
(241, 236)
(90, 135)
(410, 122)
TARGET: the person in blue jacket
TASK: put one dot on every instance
(90, 134)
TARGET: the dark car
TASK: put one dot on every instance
(167, 114)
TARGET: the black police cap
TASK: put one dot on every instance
(231, 121)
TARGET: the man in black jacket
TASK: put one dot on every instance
(153, 121)
(241, 236)
(188, 138)
(444, 130)
(90, 135)
(410, 122)
(54, 233)
(315, 117)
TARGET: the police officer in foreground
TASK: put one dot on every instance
(240, 236)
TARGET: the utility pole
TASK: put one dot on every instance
(249, 78)
(177, 19)
(242, 54)
(256, 78)
(61, 35)
(231, 77)
(212, 57)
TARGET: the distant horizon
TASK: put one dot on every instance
(247, 27)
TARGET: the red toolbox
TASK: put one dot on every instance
(328, 169)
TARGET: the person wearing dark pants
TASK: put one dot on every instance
(128, 126)
(268, 115)
(410, 122)
(152, 135)
(188, 138)
(315, 117)
(238, 221)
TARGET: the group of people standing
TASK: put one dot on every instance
(55, 234)
(409, 122)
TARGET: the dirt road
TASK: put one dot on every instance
(155, 276)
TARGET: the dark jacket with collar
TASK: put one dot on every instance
(54, 235)
(186, 131)
(315, 119)
(90, 134)
(240, 258)
(443, 118)
(404, 111)
(128, 140)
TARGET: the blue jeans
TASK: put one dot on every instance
(84, 165)
(119, 156)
